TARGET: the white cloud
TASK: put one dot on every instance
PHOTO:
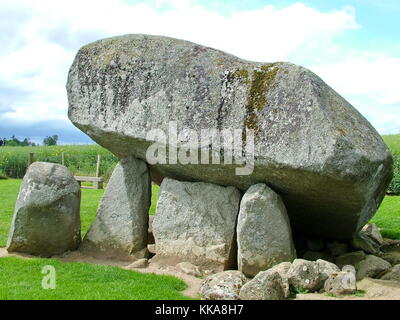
(37, 56)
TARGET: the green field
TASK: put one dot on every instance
(393, 142)
(80, 159)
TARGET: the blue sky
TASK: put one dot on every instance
(353, 45)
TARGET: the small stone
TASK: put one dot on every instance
(368, 239)
(349, 268)
(224, 285)
(139, 264)
(266, 285)
(326, 268)
(393, 257)
(189, 268)
(371, 267)
(393, 274)
(390, 245)
(341, 283)
(305, 275)
(350, 258)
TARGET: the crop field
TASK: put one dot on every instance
(80, 159)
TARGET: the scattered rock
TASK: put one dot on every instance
(267, 285)
(264, 236)
(315, 244)
(390, 251)
(309, 141)
(350, 258)
(368, 239)
(189, 268)
(326, 269)
(46, 218)
(120, 227)
(393, 257)
(337, 248)
(223, 285)
(139, 264)
(390, 245)
(305, 275)
(341, 283)
(350, 269)
(371, 267)
(393, 274)
(196, 222)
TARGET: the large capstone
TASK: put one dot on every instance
(264, 235)
(311, 146)
(46, 219)
(195, 222)
(120, 228)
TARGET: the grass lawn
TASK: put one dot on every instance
(388, 217)
(393, 142)
(21, 279)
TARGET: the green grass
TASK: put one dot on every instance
(393, 142)
(360, 293)
(21, 279)
(80, 159)
(388, 217)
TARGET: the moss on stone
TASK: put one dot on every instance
(241, 74)
(262, 79)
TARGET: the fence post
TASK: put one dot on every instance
(30, 160)
(98, 166)
(63, 158)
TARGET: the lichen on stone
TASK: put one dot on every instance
(262, 79)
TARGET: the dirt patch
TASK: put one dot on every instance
(374, 290)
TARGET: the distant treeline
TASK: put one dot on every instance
(15, 142)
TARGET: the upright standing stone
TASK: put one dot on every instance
(46, 219)
(264, 235)
(120, 228)
(195, 222)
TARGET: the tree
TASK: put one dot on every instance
(50, 141)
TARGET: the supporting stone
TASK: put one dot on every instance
(195, 222)
(264, 235)
(119, 230)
